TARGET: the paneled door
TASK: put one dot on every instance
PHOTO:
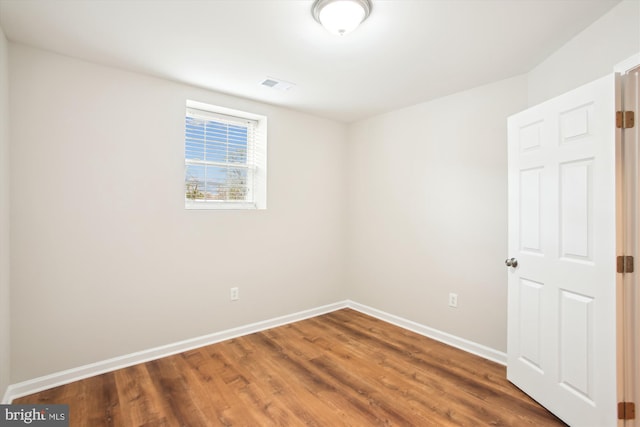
(562, 248)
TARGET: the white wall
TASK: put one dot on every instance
(427, 211)
(591, 54)
(4, 217)
(105, 259)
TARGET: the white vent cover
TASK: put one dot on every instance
(277, 84)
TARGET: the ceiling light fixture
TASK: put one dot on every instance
(341, 16)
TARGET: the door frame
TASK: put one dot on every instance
(627, 241)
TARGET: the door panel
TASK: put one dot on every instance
(561, 319)
(576, 344)
(576, 211)
(530, 322)
(530, 226)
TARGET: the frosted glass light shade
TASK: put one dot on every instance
(341, 16)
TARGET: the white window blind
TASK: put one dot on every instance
(221, 160)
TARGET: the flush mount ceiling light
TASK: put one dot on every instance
(341, 16)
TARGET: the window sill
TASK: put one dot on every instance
(216, 205)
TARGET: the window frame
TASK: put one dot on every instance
(257, 168)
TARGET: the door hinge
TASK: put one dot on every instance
(625, 119)
(624, 264)
(626, 411)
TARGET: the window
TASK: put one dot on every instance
(224, 158)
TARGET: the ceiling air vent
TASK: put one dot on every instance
(277, 84)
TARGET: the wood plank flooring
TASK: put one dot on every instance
(340, 369)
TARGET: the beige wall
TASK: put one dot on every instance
(427, 211)
(4, 217)
(591, 54)
(105, 259)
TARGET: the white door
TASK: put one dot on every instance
(562, 233)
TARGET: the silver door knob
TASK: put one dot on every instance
(511, 262)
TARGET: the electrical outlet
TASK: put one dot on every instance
(234, 293)
(453, 300)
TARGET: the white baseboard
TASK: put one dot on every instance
(452, 340)
(64, 377)
(7, 397)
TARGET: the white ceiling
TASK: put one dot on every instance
(407, 52)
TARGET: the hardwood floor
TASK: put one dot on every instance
(340, 369)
